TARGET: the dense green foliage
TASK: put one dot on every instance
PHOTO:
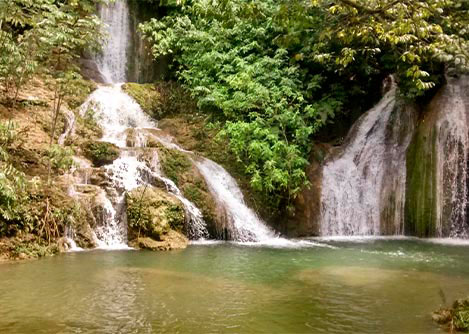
(24, 204)
(44, 36)
(411, 38)
(229, 63)
(277, 71)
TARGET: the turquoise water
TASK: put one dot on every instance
(377, 286)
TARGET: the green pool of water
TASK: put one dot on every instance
(381, 286)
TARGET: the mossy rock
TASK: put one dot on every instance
(182, 171)
(456, 317)
(152, 212)
(101, 153)
(161, 98)
(170, 241)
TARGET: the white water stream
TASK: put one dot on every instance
(245, 225)
(452, 161)
(112, 62)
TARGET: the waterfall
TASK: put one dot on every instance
(437, 184)
(112, 61)
(452, 162)
(126, 125)
(363, 186)
(121, 117)
(242, 222)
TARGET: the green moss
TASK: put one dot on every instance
(193, 192)
(88, 127)
(174, 164)
(146, 96)
(101, 153)
(34, 250)
(161, 99)
(421, 206)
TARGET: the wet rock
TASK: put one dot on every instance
(131, 139)
(90, 71)
(305, 219)
(63, 245)
(84, 236)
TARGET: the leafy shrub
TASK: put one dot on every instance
(61, 157)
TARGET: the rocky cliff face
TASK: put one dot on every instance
(143, 68)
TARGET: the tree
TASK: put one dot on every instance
(414, 37)
(225, 55)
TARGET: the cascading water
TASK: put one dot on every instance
(242, 222)
(126, 125)
(112, 61)
(119, 115)
(452, 154)
(360, 182)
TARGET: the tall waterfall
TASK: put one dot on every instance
(452, 162)
(112, 62)
(119, 115)
(363, 186)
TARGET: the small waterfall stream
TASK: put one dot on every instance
(243, 223)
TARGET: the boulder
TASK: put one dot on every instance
(153, 213)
